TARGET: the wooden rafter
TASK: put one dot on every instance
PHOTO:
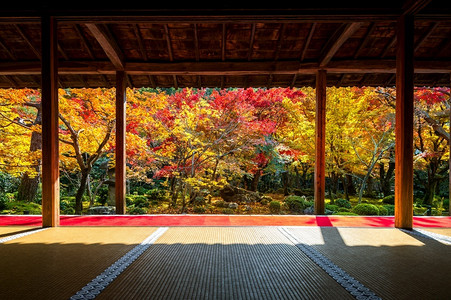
(223, 44)
(338, 39)
(307, 41)
(425, 36)
(251, 42)
(412, 7)
(196, 43)
(27, 40)
(279, 41)
(108, 44)
(365, 40)
(140, 42)
(84, 41)
(5, 48)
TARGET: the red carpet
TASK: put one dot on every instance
(225, 220)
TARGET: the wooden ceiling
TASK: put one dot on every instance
(228, 46)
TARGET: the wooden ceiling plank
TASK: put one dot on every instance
(108, 44)
(307, 41)
(279, 41)
(140, 42)
(337, 40)
(223, 45)
(27, 40)
(365, 40)
(84, 42)
(413, 7)
(5, 48)
(168, 42)
(425, 36)
(251, 43)
(196, 43)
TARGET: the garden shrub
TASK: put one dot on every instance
(140, 201)
(343, 203)
(346, 213)
(274, 207)
(382, 210)
(265, 200)
(3, 201)
(390, 209)
(446, 203)
(296, 204)
(332, 207)
(199, 209)
(365, 209)
(228, 211)
(156, 194)
(133, 210)
(390, 199)
(221, 203)
(344, 209)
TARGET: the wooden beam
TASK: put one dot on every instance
(425, 36)
(50, 141)
(120, 176)
(225, 68)
(27, 40)
(365, 40)
(320, 143)
(108, 44)
(337, 40)
(404, 124)
(251, 43)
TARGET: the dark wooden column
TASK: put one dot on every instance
(320, 141)
(449, 145)
(120, 142)
(50, 147)
(404, 124)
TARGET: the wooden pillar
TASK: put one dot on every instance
(50, 142)
(449, 145)
(404, 124)
(120, 142)
(320, 141)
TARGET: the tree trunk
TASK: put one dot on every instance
(255, 180)
(28, 187)
(350, 188)
(285, 183)
(81, 191)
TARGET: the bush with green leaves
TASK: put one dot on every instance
(390, 209)
(133, 210)
(199, 209)
(297, 204)
(332, 207)
(343, 203)
(156, 194)
(4, 199)
(265, 200)
(346, 213)
(366, 209)
(382, 210)
(390, 199)
(274, 207)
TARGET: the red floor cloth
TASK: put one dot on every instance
(225, 220)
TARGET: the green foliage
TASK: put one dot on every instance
(228, 211)
(274, 207)
(365, 209)
(102, 195)
(221, 203)
(390, 209)
(345, 213)
(296, 204)
(199, 209)
(156, 194)
(390, 199)
(133, 210)
(265, 200)
(343, 203)
(382, 210)
(332, 207)
(67, 205)
(4, 199)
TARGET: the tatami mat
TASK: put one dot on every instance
(391, 262)
(224, 263)
(57, 262)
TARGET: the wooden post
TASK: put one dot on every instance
(449, 145)
(404, 124)
(120, 142)
(50, 142)
(320, 141)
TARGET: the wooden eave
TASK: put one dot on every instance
(226, 47)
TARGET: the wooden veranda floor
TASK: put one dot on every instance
(224, 262)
